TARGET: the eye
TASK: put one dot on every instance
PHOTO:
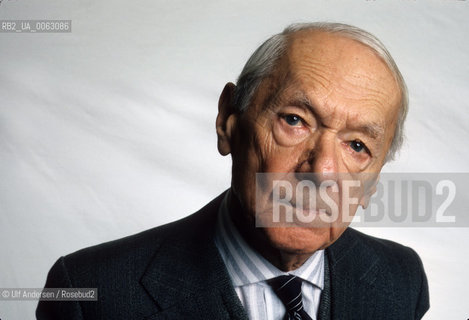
(292, 119)
(358, 146)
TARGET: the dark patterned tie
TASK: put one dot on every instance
(288, 289)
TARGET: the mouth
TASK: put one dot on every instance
(296, 210)
(306, 209)
(297, 215)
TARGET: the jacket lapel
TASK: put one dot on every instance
(187, 277)
(353, 268)
(324, 312)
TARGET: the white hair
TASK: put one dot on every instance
(262, 62)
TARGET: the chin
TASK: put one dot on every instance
(297, 240)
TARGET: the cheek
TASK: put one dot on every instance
(282, 159)
(280, 153)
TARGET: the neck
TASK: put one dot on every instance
(244, 222)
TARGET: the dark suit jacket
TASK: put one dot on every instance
(175, 272)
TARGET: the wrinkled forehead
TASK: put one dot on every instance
(334, 53)
(321, 61)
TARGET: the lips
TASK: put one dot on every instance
(308, 210)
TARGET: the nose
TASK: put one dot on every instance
(321, 167)
(323, 158)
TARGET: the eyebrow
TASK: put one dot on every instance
(373, 130)
(301, 99)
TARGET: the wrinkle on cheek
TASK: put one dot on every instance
(265, 145)
(268, 149)
(347, 164)
(274, 157)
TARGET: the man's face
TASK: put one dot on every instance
(330, 107)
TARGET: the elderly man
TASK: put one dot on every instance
(318, 98)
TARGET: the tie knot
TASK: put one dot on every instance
(288, 289)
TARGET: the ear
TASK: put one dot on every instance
(226, 119)
(369, 192)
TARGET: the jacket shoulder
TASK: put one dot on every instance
(390, 252)
(142, 246)
(118, 268)
(391, 267)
